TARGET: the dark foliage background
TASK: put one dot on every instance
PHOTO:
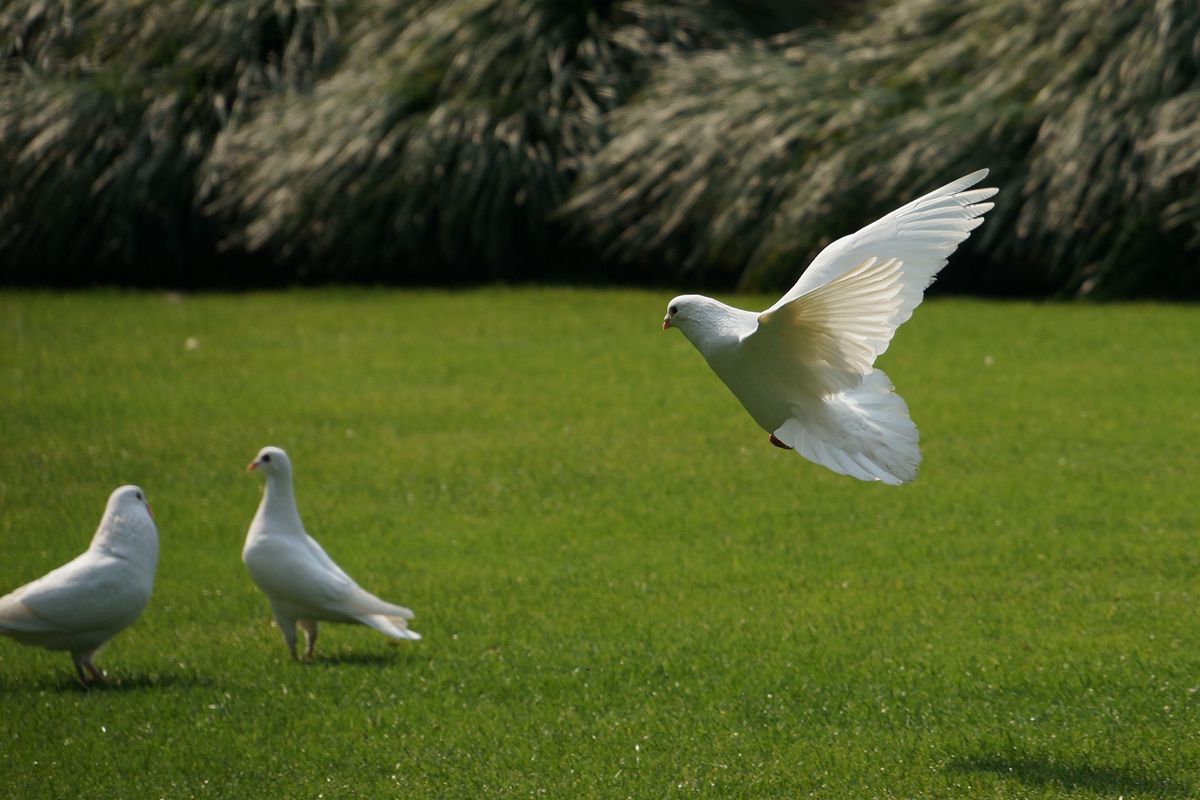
(699, 142)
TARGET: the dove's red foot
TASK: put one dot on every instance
(779, 444)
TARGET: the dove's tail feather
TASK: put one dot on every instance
(395, 626)
(393, 610)
(864, 432)
(363, 602)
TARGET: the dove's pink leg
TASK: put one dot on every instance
(85, 670)
(309, 626)
(287, 627)
(778, 443)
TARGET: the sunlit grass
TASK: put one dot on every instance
(625, 590)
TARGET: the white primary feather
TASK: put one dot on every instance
(87, 601)
(302, 583)
(804, 367)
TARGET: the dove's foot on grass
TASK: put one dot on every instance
(305, 658)
(87, 673)
(778, 443)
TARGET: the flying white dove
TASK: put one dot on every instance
(302, 583)
(84, 603)
(803, 368)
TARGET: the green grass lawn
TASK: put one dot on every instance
(625, 591)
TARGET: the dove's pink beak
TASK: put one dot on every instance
(149, 509)
(253, 465)
(666, 323)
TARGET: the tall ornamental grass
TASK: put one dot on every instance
(737, 165)
(183, 142)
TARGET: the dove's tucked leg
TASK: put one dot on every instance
(778, 443)
(309, 626)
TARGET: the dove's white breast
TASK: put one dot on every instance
(768, 383)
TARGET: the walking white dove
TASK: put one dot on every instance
(85, 602)
(804, 367)
(302, 583)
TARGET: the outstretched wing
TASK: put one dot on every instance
(831, 335)
(835, 409)
(919, 236)
(820, 341)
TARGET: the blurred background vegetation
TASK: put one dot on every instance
(705, 143)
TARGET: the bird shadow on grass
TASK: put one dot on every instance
(1035, 771)
(113, 683)
(127, 682)
(354, 658)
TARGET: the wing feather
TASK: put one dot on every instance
(299, 572)
(832, 333)
(920, 236)
(87, 593)
(805, 371)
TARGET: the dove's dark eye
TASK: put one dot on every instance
(139, 495)
(674, 309)
(267, 458)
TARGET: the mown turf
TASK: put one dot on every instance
(625, 590)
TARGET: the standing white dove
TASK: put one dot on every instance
(804, 367)
(85, 602)
(302, 583)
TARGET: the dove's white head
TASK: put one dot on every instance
(271, 462)
(692, 312)
(127, 528)
(277, 511)
(704, 320)
(681, 310)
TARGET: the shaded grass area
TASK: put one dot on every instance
(625, 591)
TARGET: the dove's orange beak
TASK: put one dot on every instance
(666, 322)
(149, 509)
(253, 465)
